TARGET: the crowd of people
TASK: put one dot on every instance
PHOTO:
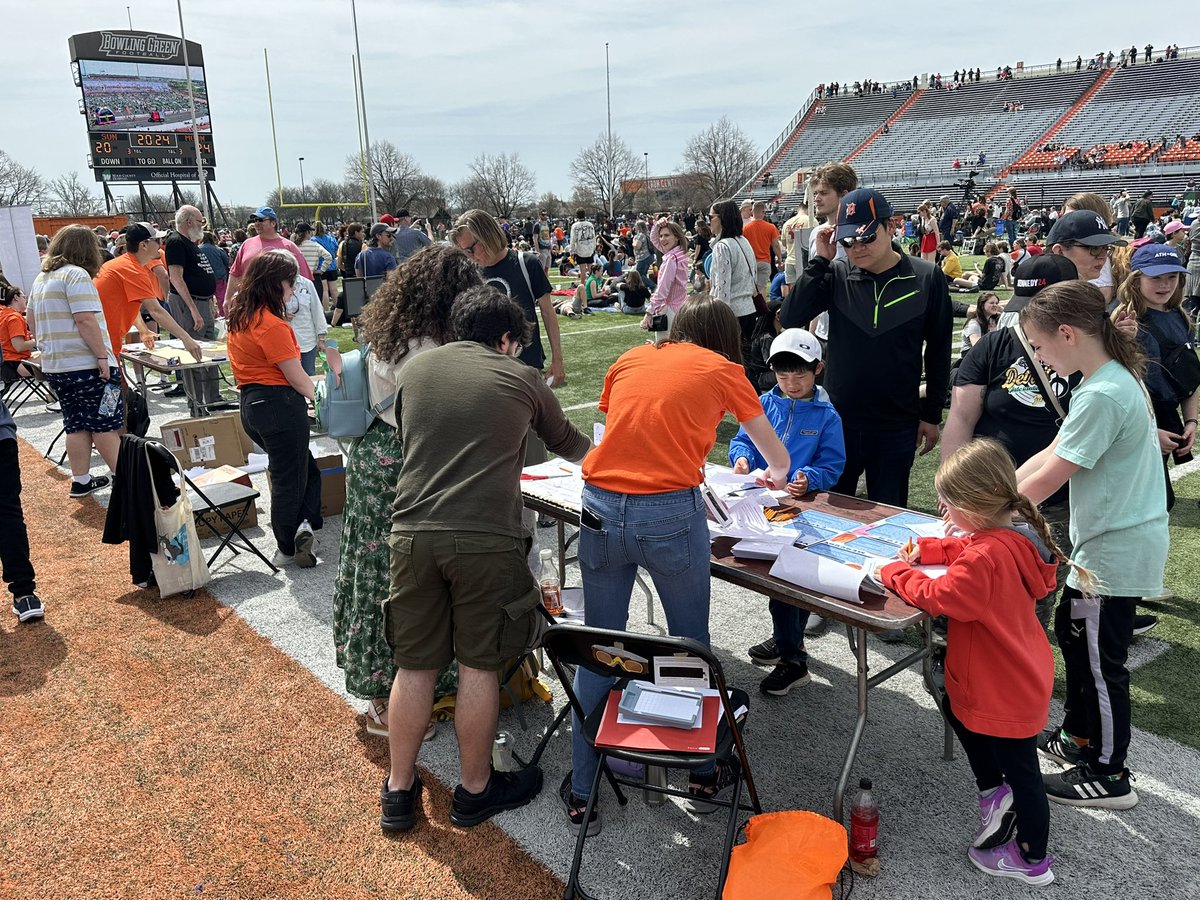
(848, 332)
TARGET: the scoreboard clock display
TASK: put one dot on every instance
(149, 150)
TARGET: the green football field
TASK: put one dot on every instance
(1165, 692)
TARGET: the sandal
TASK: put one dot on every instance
(377, 722)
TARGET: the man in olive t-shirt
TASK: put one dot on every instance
(461, 588)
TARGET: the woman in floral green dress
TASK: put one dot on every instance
(408, 314)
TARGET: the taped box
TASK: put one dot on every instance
(212, 441)
(208, 523)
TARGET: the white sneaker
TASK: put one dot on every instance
(281, 559)
(815, 625)
(306, 556)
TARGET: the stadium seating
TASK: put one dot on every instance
(1091, 110)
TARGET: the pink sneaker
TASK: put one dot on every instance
(1006, 861)
(997, 821)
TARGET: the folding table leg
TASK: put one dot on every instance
(860, 724)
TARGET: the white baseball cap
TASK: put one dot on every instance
(798, 342)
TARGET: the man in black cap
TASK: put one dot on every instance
(888, 312)
(1083, 237)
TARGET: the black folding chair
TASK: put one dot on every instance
(20, 389)
(593, 649)
(230, 503)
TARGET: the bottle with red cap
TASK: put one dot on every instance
(864, 824)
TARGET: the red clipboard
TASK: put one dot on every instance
(658, 738)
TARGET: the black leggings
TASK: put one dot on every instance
(995, 760)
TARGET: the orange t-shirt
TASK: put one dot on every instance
(664, 405)
(160, 260)
(123, 283)
(256, 352)
(760, 233)
(12, 324)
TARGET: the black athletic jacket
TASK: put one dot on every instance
(880, 328)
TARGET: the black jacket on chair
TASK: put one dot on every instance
(131, 508)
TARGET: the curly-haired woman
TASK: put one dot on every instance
(410, 313)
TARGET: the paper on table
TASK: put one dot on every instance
(552, 468)
(819, 573)
(747, 520)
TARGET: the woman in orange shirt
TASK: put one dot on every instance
(265, 359)
(642, 504)
(16, 342)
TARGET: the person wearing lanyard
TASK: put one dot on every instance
(265, 359)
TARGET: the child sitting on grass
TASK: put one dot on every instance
(811, 430)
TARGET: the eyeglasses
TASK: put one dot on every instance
(470, 251)
(1102, 250)
(863, 240)
(616, 658)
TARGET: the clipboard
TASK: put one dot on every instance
(659, 738)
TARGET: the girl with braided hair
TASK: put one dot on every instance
(999, 666)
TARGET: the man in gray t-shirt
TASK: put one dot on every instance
(460, 586)
(407, 240)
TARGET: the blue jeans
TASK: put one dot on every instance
(789, 622)
(308, 360)
(1010, 227)
(666, 534)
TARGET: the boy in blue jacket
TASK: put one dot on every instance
(811, 429)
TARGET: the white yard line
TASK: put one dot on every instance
(594, 330)
(591, 405)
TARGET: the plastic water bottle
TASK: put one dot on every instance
(864, 824)
(502, 753)
(551, 588)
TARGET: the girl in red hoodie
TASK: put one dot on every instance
(999, 667)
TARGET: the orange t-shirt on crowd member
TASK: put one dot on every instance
(760, 233)
(160, 260)
(559, 234)
(13, 324)
(664, 404)
(123, 283)
(256, 352)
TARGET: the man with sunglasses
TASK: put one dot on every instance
(888, 312)
(268, 238)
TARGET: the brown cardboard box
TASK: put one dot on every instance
(212, 441)
(208, 523)
(333, 484)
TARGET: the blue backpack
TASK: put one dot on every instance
(346, 411)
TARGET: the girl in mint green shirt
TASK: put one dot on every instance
(1107, 448)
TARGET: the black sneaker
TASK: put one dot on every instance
(398, 809)
(1081, 786)
(1142, 624)
(505, 790)
(784, 677)
(704, 788)
(576, 807)
(1056, 744)
(765, 654)
(176, 391)
(28, 607)
(94, 483)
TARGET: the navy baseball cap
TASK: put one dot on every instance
(1155, 260)
(860, 213)
(1082, 226)
(265, 212)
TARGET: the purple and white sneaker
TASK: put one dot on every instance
(997, 821)
(1006, 861)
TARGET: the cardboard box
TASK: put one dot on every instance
(333, 484)
(208, 523)
(212, 441)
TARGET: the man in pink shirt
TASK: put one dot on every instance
(267, 238)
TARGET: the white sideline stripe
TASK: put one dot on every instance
(591, 405)
(594, 330)
(1186, 469)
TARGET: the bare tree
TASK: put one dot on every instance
(19, 185)
(68, 195)
(398, 179)
(722, 156)
(600, 169)
(499, 184)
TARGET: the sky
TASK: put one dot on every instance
(447, 80)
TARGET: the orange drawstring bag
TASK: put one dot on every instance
(793, 854)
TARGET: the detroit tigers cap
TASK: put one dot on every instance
(860, 212)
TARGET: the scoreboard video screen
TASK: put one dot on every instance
(139, 114)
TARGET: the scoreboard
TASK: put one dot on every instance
(149, 150)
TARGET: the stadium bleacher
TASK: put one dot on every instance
(1154, 105)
